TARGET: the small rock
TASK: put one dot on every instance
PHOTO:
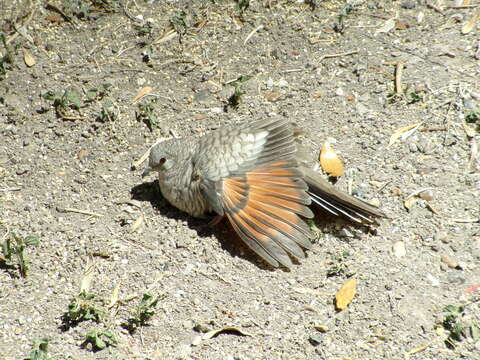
(408, 5)
(451, 263)
(339, 92)
(469, 104)
(374, 202)
(282, 83)
(442, 236)
(315, 340)
(399, 249)
(83, 154)
(426, 195)
(413, 147)
(321, 328)
(433, 280)
(456, 278)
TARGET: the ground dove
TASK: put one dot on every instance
(253, 175)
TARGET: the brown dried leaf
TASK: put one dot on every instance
(214, 333)
(28, 58)
(143, 91)
(330, 162)
(346, 293)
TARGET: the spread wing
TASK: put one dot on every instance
(250, 175)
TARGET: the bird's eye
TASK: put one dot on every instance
(162, 161)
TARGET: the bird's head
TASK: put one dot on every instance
(162, 157)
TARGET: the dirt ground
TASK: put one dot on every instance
(354, 72)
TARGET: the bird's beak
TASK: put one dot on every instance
(147, 171)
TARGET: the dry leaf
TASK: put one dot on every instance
(321, 328)
(143, 91)
(386, 27)
(410, 201)
(470, 24)
(403, 132)
(28, 58)
(87, 277)
(114, 297)
(213, 333)
(136, 224)
(399, 249)
(346, 293)
(330, 162)
(469, 130)
(451, 263)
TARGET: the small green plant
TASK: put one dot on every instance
(40, 350)
(457, 328)
(234, 100)
(144, 29)
(242, 5)
(179, 22)
(98, 93)
(338, 265)
(13, 249)
(82, 308)
(147, 114)
(64, 103)
(99, 339)
(413, 98)
(143, 312)
(107, 112)
(6, 59)
(473, 117)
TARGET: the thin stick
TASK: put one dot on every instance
(258, 28)
(461, 6)
(398, 78)
(328, 56)
(11, 189)
(78, 211)
(436, 8)
(144, 157)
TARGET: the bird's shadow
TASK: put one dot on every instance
(228, 239)
(150, 192)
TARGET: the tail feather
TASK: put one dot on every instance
(326, 197)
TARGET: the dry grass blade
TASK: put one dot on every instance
(403, 132)
(143, 92)
(470, 24)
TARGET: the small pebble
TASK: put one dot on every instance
(433, 280)
(321, 328)
(399, 249)
(426, 195)
(451, 263)
(442, 236)
(456, 278)
(408, 5)
(315, 340)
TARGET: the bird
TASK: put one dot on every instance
(253, 174)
